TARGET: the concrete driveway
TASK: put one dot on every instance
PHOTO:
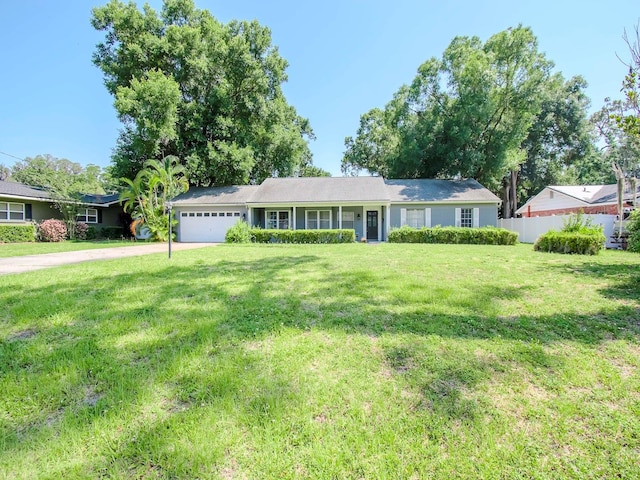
(37, 262)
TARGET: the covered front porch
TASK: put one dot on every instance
(369, 221)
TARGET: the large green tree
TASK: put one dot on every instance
(208, 93)
(560, 144)
(484, 110)
(58, 175)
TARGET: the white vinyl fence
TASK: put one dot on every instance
(529, 229)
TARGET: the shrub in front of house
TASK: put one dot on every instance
(454, 235)
(303, 236)
(633, 227)
(111, 233)
(82, 231)
(238, 233)
(567, 242)
(17, 233)
(52, 230)
(579, 235)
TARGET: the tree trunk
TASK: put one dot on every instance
(513, 176)
(506, 199)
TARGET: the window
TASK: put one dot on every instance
(11, 211)
(88, 215)
(415, 217)
(348, 219)
(318, 219)
(466, 217)
(278, 219)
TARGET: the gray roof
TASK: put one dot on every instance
(593, 194)
(321, 189)
(339, 190)
(20, 190)
(431, 190)
(239, 194)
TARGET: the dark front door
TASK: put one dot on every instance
(372, 225)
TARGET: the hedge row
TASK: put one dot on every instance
(454, 235)
(259, 235)
(17, 233)
(569, 242)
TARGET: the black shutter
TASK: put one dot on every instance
(99, 215)
(28, 212)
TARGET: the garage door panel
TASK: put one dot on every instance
(203, 228)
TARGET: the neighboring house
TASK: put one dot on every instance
(372, 206)
(589, 199)
(21, 203)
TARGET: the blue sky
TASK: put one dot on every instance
(345, 57)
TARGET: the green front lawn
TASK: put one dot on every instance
(344, 361)
(37, 248)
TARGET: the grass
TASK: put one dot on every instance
(37, 248)
(346, 361)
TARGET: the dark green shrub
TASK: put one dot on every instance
(17, 233)
(569, 242)
(453, 235)
(579, 235)
(633, 227)
(303, 236)
(91, 233)
(238, 233)
(111, 233)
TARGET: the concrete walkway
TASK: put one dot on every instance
(36, 262)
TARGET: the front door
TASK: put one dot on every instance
(372, 225)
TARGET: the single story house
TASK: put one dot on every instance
(21, 203)
(372, 206)
(566, 199)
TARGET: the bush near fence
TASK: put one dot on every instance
(453, 235)
(569, 242)
(259, 235)
(17, 233)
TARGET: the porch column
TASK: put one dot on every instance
(340, 217)
(249, 217)
(387, 221)
(294, 217)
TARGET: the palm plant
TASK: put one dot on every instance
(146, 196)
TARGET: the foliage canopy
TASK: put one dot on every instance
(208, 93)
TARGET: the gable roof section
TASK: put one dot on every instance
(439, 191)
(233, 195)
(588, 193)
(20, 191)
(321, 190)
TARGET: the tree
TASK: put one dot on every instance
(208, 93)
(66, 181)
(465, 115)
(5, 172)
(629, 118)
(560, 148)
(310, 170)
(58, 175)
(146, 196)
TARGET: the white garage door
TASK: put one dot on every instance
(206, 226)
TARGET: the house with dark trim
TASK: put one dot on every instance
(372, 206)
(21, 203)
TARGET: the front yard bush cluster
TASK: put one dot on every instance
(242, 233)
(579, 236)
(17, 233)
(454, 235)
(52, 230)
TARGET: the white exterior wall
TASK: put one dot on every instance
(529, 229)
(543, 202)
